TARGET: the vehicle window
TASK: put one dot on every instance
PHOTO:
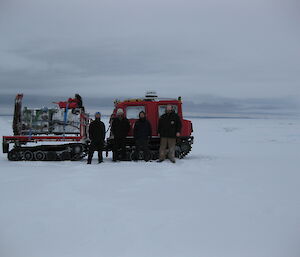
(162, 109)
(132, 112)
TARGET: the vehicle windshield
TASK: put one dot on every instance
(132, 112)
(162, 109)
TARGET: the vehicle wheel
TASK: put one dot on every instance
(40, 155)
(76, 157)
(51, 156)
(127, 156)
(14, 155)
(148, 156)
(77, 149)
(133, 156)
(185, 147)
(28, 156)
(155, 155)
(65, 156)
(177, 151)
(140, 156)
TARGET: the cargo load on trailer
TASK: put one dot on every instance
(66, 124)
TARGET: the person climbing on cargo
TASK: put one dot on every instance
(142, 133)
(120, 128)
(79, 101)
(169, 127)
(97, 136)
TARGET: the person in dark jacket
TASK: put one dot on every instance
(169, 127)
(97, 136)
(120, 128)
(79, 101)
(142, 133)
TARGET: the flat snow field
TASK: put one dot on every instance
(236, 195)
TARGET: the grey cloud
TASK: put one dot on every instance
(237, 49)
(203, 105)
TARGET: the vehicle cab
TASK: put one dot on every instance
(154, 109)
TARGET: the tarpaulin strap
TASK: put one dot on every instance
(65, 117)
(30, 133)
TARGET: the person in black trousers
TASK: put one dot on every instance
(142, 133)
(97, 136)
(119, 128)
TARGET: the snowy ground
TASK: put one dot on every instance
(236, 195)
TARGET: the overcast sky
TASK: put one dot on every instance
(231, 49)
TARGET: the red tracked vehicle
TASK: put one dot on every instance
(154, 107)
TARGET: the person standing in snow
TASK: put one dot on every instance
(120, 128)
(169, 127)
(142, 134)
(97, 136)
